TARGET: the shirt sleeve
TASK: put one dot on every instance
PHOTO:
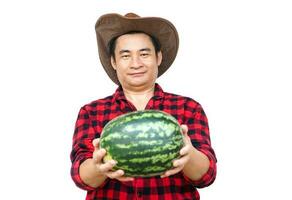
(82, 147)
(197, 123)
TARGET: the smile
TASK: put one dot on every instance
(137, 74)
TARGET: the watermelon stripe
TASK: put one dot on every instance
(163, 157)
(147, 152)
(135, 153)
(136, 146)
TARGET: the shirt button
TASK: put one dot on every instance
(139, 193)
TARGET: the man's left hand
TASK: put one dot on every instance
(185, 154)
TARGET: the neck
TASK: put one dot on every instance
(139, 97)
(139, 92)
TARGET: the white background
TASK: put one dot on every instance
(234, 59)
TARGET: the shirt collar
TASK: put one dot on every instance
(119, 93)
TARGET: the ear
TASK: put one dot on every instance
(159, 58)
(113, 62)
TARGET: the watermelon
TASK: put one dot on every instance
(144, 143)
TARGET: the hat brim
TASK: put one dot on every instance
(113, 25)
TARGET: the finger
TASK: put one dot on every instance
(106, 167)
(95, 143)
(186, 139)
(181, 162)
(162, 175)
(184, 129)
(184, 150)
(115, 174)
(171, 172)
(124, 179)
(98, 155)
(119, 176)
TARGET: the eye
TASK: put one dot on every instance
(144, 55)
(125, 56)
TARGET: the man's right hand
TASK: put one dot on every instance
(106, 168)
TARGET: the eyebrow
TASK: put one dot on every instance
(128, 51)
(145, 49)
(124, 51)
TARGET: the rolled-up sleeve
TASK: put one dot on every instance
(82, 147)
(209, 177)
(197, 123)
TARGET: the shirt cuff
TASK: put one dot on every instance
(76, 176)
(209, 177)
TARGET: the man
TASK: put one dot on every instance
(134, 52)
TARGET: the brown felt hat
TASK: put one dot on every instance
(113, 25)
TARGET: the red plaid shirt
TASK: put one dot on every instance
(93, 117)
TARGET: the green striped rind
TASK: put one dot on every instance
(143, 142)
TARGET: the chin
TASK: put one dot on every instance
(137, 83)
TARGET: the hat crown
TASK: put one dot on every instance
(132, 15)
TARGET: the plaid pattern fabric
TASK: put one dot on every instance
(93, 117)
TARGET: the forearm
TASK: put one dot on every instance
(197, 166)
(89, 174)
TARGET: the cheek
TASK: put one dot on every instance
(120, 72)
(152, 68)
(121, 67)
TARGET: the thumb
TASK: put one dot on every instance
(184, 129)
(95, 143)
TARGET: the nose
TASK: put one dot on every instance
(136, 62)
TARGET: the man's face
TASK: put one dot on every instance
(136, 62)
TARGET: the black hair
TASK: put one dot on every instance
(112, 43)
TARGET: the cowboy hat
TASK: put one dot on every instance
(110, 26)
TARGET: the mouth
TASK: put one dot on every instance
(137, 74)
